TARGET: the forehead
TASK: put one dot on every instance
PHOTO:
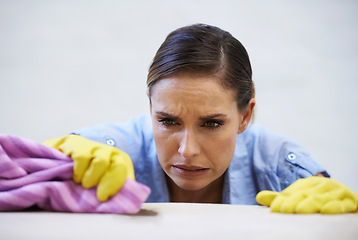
(191, 84)
(192, 90)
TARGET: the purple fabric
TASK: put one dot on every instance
(32, 174)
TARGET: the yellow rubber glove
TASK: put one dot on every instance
(95, 164)
(311, 195)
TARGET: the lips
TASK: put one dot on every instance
(190, 170)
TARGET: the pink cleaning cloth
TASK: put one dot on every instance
(32, 174)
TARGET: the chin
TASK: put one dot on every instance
(190, 185)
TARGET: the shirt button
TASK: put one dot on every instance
(291, 156)
(110, 141)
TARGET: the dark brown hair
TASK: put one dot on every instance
(207, 50)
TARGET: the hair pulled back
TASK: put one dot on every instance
(206, 50)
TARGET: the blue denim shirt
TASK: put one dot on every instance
(262, 160)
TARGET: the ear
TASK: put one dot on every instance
(246, 116)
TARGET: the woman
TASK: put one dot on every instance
(197, 144)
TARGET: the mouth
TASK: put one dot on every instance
(190, 171)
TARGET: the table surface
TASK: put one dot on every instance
(179, 221)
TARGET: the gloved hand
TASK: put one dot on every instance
(311, 195)
(95, 164)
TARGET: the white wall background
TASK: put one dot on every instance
(68, 64)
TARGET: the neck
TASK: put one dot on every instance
(209, 194)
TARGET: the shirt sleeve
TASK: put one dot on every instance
(279, 161)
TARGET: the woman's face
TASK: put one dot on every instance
(195, 124)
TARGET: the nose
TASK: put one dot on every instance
(189, 145)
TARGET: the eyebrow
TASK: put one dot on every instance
(167, 115)
(212, 116)
(204, 118)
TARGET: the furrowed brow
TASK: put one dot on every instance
(212, 116)
(167, 115)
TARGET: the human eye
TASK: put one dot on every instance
(167, 122)
(213, 124)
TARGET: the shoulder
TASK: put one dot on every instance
(265, 142)
(277, 160)
(112, 133)
(255, 131)
(135, 137)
